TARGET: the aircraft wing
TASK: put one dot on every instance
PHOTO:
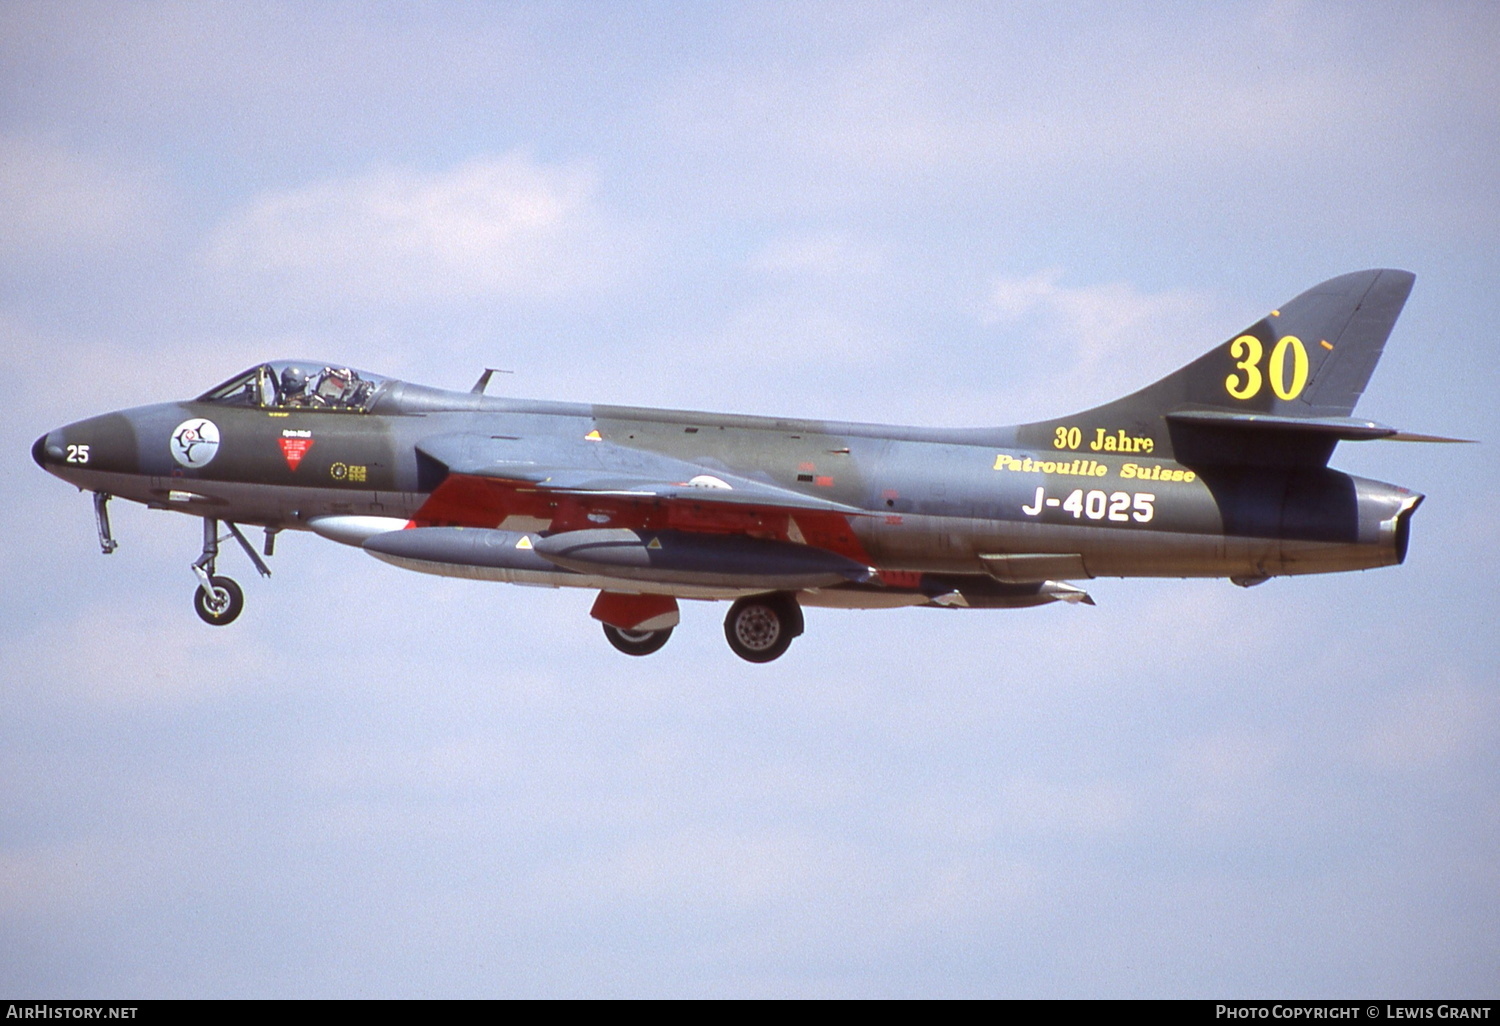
(603, 469)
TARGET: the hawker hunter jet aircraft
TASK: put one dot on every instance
(1217, 470)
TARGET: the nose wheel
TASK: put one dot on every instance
(220, 603)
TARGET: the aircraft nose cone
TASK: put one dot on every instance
(39, 452)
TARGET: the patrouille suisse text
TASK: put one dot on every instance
(1073, 468)
(1091, 468)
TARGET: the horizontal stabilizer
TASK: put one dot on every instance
(1347, 429)
(1407, 436)
(1341, 429)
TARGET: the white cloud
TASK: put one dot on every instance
(827, 254)
(711, 864)
(119, 373)
(1101, 320)
(1226, 777)
(1079, 810)
(930, 93)
(1004, 91)
(1432, 726)
(499, 226)
(1101, 333)
(46, 878)
(55, 201)
(112, 658)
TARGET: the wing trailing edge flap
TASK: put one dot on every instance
(1030, 567)
(1045, 570)
(604, 469)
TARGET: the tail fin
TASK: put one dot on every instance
(1279, 392)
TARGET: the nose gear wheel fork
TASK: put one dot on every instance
(219, 600)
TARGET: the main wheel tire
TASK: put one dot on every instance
(760, 628)
(637, 643)
(221, 607)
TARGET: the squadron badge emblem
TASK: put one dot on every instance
(195, 442)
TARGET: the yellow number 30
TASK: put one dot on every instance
(1247, 351)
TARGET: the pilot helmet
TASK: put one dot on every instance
(293, 380)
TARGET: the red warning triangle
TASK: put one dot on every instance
(294, 449)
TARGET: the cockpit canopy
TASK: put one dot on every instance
(299, 385)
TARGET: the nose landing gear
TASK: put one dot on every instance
(219, 600)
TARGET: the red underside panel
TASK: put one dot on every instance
(628, 612)
(463, 501)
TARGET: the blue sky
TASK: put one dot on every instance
(377, 783)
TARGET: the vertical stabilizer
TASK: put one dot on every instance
(1298, 371)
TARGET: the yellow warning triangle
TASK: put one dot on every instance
(593, 436)
(525, 542)
(654, 544)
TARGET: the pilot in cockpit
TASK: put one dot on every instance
(293, 390)
(333, 386)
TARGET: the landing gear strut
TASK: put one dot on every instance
(107, 543)
(219, 600)
(760, 628)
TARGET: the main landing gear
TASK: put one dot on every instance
(637, 643)
(219, 600)
(760, 628)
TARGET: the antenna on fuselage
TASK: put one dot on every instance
(484, 379)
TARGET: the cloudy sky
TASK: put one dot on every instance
(378, 783)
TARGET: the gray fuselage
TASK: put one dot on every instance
(942, 502)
